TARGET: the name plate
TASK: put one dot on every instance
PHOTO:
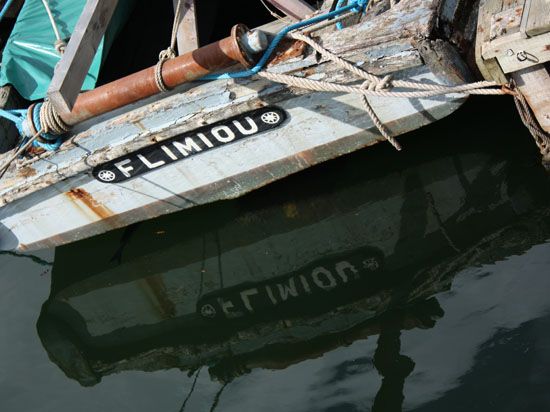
(189, 144)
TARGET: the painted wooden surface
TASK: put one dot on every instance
(71, 70)
(188, 36)
(58, 192)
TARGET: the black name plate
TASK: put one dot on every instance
(189, 144)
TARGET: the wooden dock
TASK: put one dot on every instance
(513, 42)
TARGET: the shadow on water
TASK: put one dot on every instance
(358, 248)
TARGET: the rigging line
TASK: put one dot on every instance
(59, 44)
(8, 162)
(191, 390)
(276, 15)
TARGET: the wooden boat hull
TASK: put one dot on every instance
(56, 199)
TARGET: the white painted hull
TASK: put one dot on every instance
(55, 200)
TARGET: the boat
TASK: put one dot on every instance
(264, 282)
(322, 92)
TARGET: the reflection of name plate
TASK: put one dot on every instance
(314, 282)
(189, 144)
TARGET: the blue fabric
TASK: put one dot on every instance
(29, 57)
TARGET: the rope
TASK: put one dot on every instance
(59, 44)
(355, 6)
(50, 120)
(374, 86)
(21, 149)
(168, 53)
(542, 138)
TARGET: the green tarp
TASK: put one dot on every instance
(29, 56)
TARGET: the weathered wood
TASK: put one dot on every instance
(515, 52)
(537, 19)
(488, 67)
(188, 36)
(297, 9)
(534, 83)
(71, 70)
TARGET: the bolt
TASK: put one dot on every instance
(255, 41)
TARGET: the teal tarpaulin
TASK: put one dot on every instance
(29, 57)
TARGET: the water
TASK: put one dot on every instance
(380, 281)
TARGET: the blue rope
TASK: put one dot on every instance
(53, 142)
(356, 5)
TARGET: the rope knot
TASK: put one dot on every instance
(167, 54)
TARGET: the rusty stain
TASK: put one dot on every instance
(547, 47)
(287, 50)
(26, 172)
(85, 198)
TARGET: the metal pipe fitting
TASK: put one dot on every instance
(240, 47)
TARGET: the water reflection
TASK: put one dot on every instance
(260, 283)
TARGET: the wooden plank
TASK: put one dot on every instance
(488, 67)
(71, 70)
(537, 17)
(297, 9)
(514, 52)
(188, 35)
(534, 83)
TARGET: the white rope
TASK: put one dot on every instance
(50, 120)
(59, 44)
(374, 85)
(168, 53)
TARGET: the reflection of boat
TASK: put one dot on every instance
(249, 285)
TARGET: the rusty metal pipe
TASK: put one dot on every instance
(190, 66)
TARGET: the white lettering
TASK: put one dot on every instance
(270, 294)
(245, 297)
(188, 146)
(123, 168)
(227, 135)
(148, 163)
(226, 306)
(305, 284)
(285, 291)
(169, 153)
(328, 277)
(205, 140)
(341, 268)
(253, 127)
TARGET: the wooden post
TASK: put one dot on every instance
(297, 9)
(537, 19)
(188, 36)
(71, 70)
(534, 83)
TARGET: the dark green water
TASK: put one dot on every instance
(380, 281)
